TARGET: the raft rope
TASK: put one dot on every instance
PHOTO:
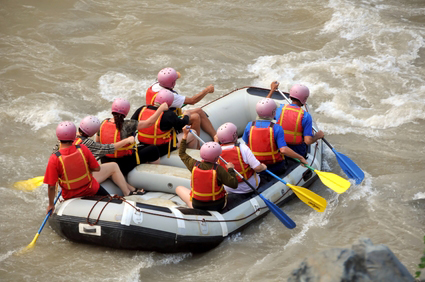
(110, 198)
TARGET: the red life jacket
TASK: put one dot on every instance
(77, 141)
(76, 173)
(150, 96)
(109, 134)
(153, 135)
(204, 184)
(234, 156)
(291, 121)
(262, 144)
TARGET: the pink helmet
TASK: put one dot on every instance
(167, 77)
(227, 133)
(210, 152)
(121, 106)
(90, 125)
(299, 92)
(164, 95)
(266, 108)
(66, 131)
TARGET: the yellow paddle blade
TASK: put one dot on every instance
(30, 246)
(30, 184)
(333, 181)
(309, 197)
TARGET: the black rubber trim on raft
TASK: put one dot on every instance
(118, 236)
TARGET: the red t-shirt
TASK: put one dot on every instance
(54, 171)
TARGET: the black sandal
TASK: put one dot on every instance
(137, 192)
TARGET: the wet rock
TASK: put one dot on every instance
(363, 262)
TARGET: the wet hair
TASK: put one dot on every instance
(119, 120)
(66, 141)
(295, 99)
(82, 133)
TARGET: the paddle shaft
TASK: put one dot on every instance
(49, 213)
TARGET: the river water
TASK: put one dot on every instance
(362, 60)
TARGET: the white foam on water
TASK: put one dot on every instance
(419, 196)
(363, 80)
(154, 260)
(6, 255)
(114, 85)
(313, 219)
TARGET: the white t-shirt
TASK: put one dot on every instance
(178, 99)
(249, 158)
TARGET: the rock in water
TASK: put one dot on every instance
(363, 262)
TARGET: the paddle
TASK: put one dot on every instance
(29, 184)
(332, 180)
(32, 244)
(352, 170)
(347, 165)
(283, 217)
(309, 197)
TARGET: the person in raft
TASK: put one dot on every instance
(163, 134)
(72, 167)
(241, 156)
(266, 139)
(88, 127)
(208, 177)
(116, 129)
(166, 79)
(297, 124)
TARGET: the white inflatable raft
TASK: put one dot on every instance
(159, 220)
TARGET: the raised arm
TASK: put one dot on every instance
(198, 97)
(273, 88)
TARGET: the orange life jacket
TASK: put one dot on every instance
(291, 121)
(263, 145)
(150, 99)
(150, 96)
(234, 156)
(109, 134)
(153, 135)
(204, 184)
(76, 173)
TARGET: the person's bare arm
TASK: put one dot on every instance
(261, 167)
(124, 142)
(51, 192)
(152, 119)
(273, 87)
(198, 97)
(311, 139)
(290, 153)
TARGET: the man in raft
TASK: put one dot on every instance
(297, 124)
(117, 128)
(88, 127)
(266, 139)
(163, 134)
(242, 158)
(72, 166)
(167, 78)
(208, 177)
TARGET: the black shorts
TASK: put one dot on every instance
(102, 192)
(146, 154)
(163, 149)
(210, 206)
